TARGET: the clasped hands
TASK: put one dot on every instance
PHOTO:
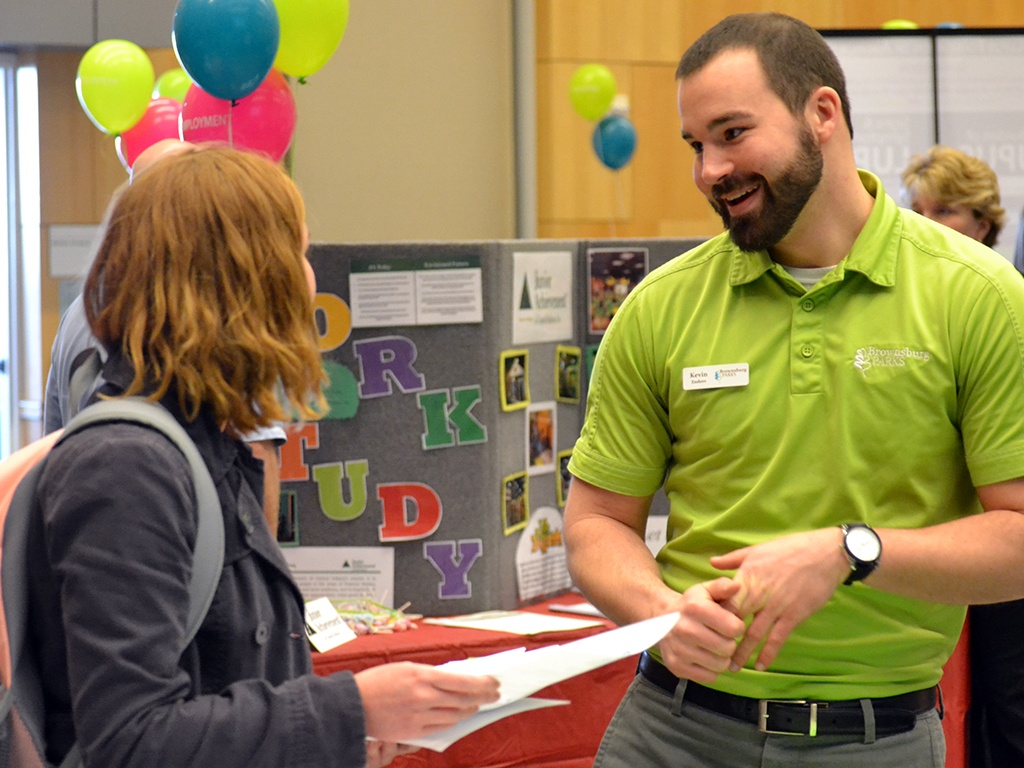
(776, 586)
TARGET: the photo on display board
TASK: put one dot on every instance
(540, 438)
(613, 274)
(568, 361)
(514, 379)
(288, 520)
(564, 476)
(515, 505)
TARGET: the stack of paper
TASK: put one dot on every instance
(516, 622)
(521, 672)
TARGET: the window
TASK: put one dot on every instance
(21, 383)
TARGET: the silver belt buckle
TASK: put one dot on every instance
(763, 716)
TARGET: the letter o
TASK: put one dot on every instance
(335, 317)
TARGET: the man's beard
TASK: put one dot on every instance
(782, 201)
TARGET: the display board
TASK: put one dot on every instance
(910, 89)
(890, 84)
(457, 389)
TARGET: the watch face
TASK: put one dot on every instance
(863, 544)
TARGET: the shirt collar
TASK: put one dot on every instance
(873, 253)
(217, 449)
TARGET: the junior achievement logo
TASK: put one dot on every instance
(867, 358)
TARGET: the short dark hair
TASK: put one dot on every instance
(794, 57)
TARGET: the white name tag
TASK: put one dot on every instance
(716, 376)
(324, 625)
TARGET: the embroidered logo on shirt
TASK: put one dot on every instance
(867, 358)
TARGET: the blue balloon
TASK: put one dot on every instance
(614, 141)
(227, 47)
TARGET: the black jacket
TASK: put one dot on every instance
(111, 558)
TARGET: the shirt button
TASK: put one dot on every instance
(807, 351)
(808, 304)
(262, 633)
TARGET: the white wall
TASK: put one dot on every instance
(408, 132)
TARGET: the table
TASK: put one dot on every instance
(956, 700)
(562, 737)
(559, 737)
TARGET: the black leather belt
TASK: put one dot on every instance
(893, 714)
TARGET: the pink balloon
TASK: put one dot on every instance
(263, 121)
(159, 122)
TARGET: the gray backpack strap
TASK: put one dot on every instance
(208, 559)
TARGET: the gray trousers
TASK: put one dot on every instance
(652, 729)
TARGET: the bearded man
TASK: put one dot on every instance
(829, 393)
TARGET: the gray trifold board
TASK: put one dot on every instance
(388, 432)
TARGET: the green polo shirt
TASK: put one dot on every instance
(884, 394)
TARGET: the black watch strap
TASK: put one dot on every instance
(858, 572)
(860, 566)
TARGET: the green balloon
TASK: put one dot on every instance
(591, 90)
(172, 84)
(900, 24)
(310, 33)
(114, 84)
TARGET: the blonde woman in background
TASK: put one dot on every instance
(955, 189)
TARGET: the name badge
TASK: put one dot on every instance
(716, 376)
(324, 626)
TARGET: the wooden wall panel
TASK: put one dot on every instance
(76, 175)
(78, 167)
(70, 167)
(641, 41)
(643, 30)
(663, 160)
(701, 16)
(570, 29)
(581, 188)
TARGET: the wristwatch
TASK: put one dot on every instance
(863, 549)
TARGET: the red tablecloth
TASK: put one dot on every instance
(956, 700)
(560, 737)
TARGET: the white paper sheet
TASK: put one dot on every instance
(522, 673)
(515, 622)
(584, 609)
(440, 741)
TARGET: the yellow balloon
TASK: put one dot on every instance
(114, 84)
(172, 84)
(591, 90)
(310, 33)
(900, 24)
